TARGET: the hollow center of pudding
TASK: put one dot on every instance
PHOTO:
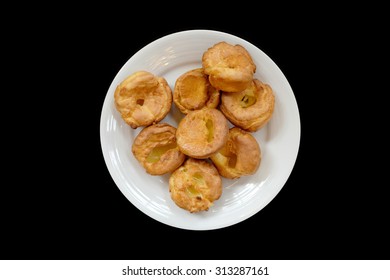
(198, 178)
(210, 130)
(157, 152)
(232, 160)
(247, 100)
(193, 192)
(193, 93)
(140, 102)
(229, 152)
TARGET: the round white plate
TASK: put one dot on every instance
(169, 57)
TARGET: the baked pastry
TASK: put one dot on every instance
(195, 185)
(240, 156)
(230, 67)
(193, 91)
(251, 108)
(202, 132)
(156, 150)
(143, 99)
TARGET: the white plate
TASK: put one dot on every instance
(170, 56)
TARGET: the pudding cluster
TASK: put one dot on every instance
(222, 105)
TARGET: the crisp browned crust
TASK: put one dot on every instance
(230, 67)
(193, 91)
(195, 185)
(156, 150)
(251, 108)
(241, 155)
(143, 99)
(202, 132)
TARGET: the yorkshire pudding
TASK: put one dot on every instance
(202, 132)
(156, 150)
(193, 91)
(251, 108)
(230, 67)
(143, 99)
(195, 185)
(240, 156)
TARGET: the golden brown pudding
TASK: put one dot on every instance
(240, 156)
(202, 132)
(195, 185)
(143, 99)
(230, 67)
(193, 91)
(156, 150)
(251, 108)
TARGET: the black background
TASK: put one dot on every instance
(61, 202)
